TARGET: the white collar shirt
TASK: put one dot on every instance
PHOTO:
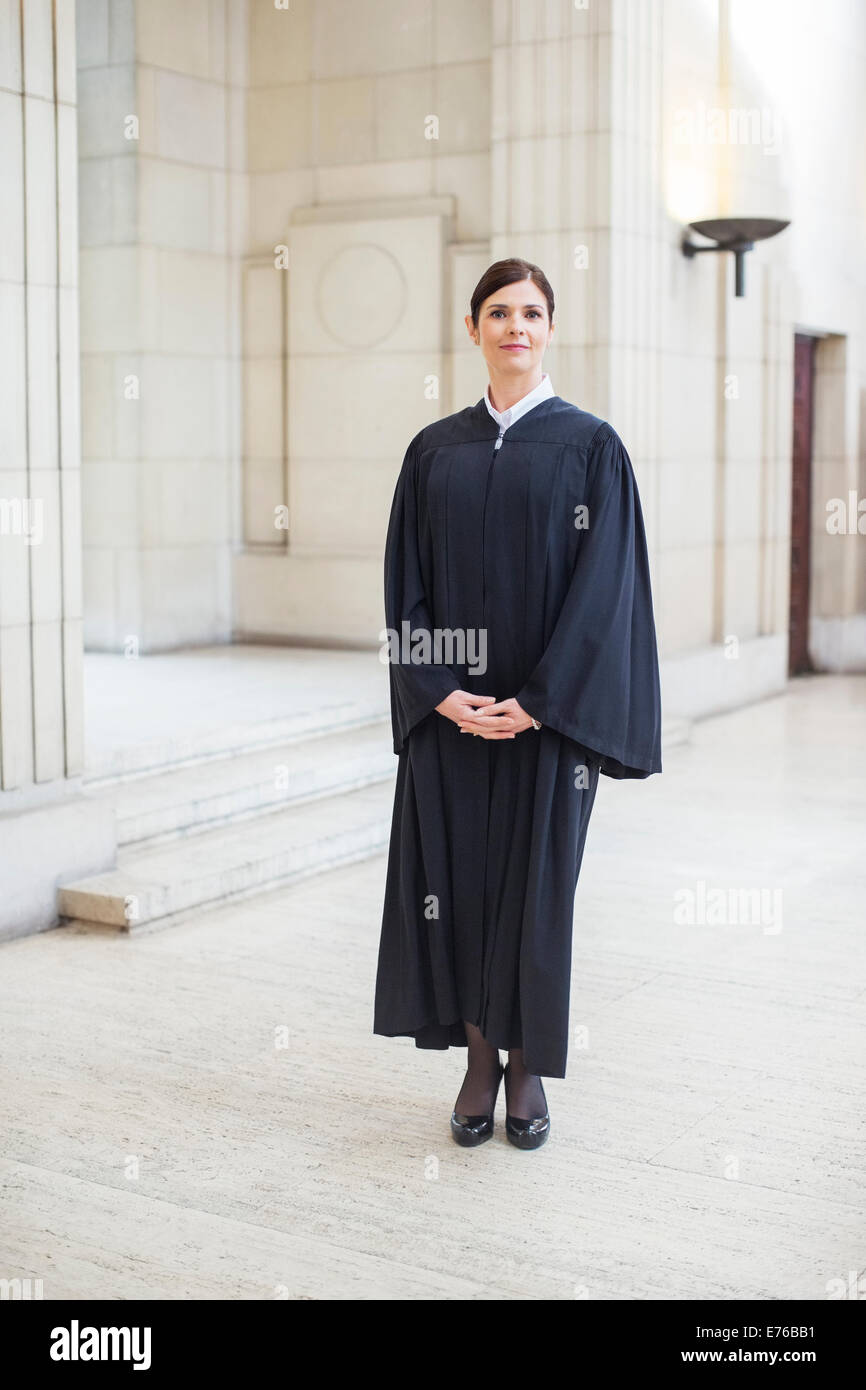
(504, 418)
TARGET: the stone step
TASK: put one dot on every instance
(216, 831)
(130, 760)
(153, 884)
(212, 792)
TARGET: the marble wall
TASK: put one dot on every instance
(583, 138)
(394, 151)
(162, 113)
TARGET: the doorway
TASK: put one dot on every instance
(799, 660)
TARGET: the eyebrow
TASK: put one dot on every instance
(517, 306)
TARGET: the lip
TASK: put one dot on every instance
(514, 347)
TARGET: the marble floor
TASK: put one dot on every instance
(203, 1111)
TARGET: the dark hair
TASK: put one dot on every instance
(505, 273)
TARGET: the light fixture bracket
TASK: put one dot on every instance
(736, 234)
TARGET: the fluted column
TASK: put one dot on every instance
(43, 833)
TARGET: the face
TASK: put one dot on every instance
(513, 329)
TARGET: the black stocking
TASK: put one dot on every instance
(482, 1074)
(523, 1095)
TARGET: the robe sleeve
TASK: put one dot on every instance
(416, 689)
(597, 681)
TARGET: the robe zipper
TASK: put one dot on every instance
(496, 446)
(486, 942)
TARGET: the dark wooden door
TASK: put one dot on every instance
(801, 505)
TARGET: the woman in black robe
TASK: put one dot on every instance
(519, 613)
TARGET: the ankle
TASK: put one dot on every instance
(483, 1062)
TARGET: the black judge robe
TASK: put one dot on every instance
(487, 835)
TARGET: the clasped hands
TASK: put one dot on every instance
(496, 718)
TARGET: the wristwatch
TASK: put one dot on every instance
(535, 723)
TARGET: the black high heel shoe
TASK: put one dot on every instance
(528, 1134)
(470, 1130)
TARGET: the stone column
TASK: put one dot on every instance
(47, 831)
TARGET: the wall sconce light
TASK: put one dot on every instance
(737, 234)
